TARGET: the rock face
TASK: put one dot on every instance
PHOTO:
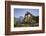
(29, 15)
(28, 18)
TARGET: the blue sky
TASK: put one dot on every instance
(21, 12)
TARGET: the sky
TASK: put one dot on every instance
(21, 12)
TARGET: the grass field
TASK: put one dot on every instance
(26, 25)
